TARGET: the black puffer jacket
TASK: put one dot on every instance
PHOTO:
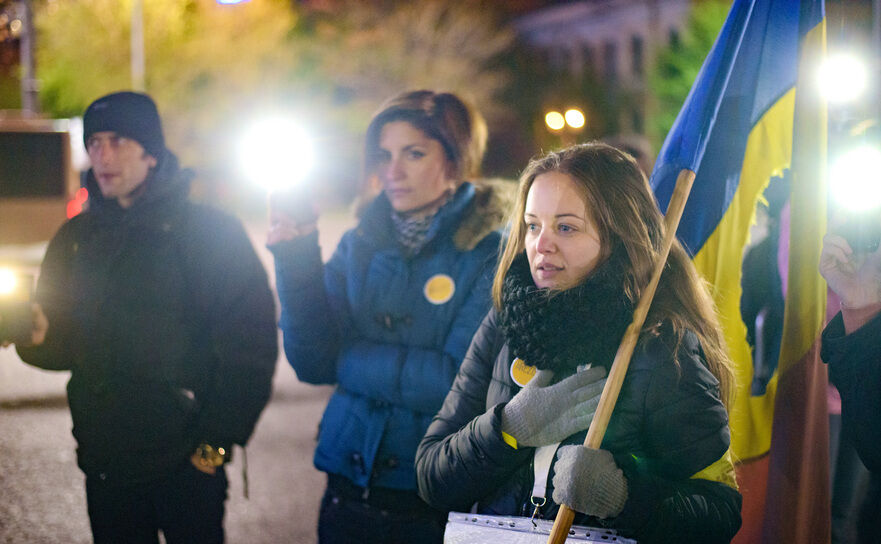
(164, 315)
(668, 424)
(855, 368)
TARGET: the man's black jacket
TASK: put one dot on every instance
(163, 314)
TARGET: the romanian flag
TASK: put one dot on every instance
(752, 113)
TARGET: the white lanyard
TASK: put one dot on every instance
(542, 468)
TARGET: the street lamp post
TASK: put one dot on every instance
(138, 63)
(137, 46)
(29, 98)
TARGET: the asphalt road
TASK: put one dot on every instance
(41, 489)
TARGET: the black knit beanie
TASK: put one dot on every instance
(129, 114)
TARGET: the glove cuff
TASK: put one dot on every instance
(513, 424)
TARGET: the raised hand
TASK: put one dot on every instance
(855, 277)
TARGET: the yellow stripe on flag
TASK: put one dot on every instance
(768, 153)
(805, 312)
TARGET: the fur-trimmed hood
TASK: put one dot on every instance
(493, 200)
(475, 211)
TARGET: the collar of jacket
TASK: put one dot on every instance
(473, 212)
(165, 183)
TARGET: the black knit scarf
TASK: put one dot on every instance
(560, 330)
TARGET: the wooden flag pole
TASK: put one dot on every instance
(600, 422)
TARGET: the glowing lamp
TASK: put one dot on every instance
(555, 120)
(574, 118)
(854, 179)
(275, 153)
(842, 77)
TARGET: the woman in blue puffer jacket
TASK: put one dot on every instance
(389, 317)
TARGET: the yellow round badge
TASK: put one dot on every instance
(521, 372)
(439, 289)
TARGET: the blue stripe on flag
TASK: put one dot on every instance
(752, 65)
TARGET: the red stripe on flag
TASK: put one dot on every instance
(752, 477)
(797, 503)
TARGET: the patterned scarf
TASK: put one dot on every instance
(560, 330)
(411, 232)
(411, 229)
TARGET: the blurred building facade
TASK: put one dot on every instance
(610, 43)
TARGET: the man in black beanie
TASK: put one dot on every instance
(162, 312)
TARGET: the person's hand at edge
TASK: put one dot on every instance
(283, 226)
(855, 277)
(39, 328)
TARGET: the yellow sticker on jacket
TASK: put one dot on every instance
(439, 288)
(521, 372)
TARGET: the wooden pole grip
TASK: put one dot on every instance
(615, 380)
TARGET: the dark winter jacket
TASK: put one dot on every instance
(855, 368)
(163, 314)
(668, 425)
(388, 330)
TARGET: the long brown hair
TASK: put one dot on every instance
(620, 202)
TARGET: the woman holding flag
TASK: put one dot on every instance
(584, 235)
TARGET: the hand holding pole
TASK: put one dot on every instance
(600, 422)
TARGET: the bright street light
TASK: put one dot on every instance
(574, 118)
(853, 179)
(8, 281)
(275, 153)
(555, 120)
(842, 77)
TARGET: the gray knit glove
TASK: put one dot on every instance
(541, 414)
(589, 481)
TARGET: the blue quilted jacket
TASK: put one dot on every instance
(388, 330)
